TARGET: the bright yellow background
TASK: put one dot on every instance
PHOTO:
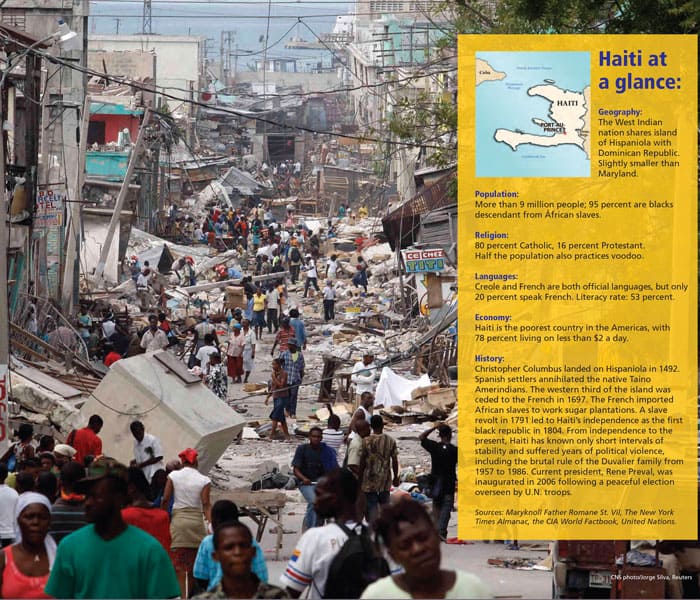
(670, 240)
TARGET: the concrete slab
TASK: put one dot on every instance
(180, 414)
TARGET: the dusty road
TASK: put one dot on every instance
(235, 467)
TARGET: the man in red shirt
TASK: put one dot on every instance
(111, 356)
(86, 441)
(141, 513)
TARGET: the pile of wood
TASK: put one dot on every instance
(433, 403)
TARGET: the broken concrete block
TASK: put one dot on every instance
(249, 433)
(266, 466)
(177, 408)
(40, 400)
(443, 398)
(322, 414)
(341, 409)
(423, 391)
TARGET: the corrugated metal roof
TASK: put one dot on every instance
(437, 216)
(241, 181)
(400, 226)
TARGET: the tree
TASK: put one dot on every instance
(598, 16)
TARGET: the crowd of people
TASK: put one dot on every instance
(75, 523)
(289, 248)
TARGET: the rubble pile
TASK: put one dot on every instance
(379, 318)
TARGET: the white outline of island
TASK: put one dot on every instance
(568, 108)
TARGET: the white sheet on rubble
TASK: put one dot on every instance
(394, 390)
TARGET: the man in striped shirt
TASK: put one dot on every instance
(68, 512)
(310, 562)
(333, 436)
(283, 336)
(293, 363)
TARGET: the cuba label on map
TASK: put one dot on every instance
(578, 381)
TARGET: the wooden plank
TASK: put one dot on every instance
(177, 367)
(203, 287)
(84, 383)
(36, 340)
(50, 383)
(27, 349)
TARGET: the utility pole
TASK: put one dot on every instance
(230, 35)
(73, 228)
(206, 48)
(221, 59)
(147, 19)
(119, 204)
(118, 21)
(4, 308)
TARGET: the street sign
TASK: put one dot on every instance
(49, 209)
(424, 261)
(4, 410)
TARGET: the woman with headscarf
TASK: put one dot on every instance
(25, 566)
(234, 353)
(191, 506)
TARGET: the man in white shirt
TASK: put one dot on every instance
(148, 454)
(328, 302)
(363, 413)
(155, 338)
(336, 494)
(142, 291)
(354, 453)
(311, 275)
(108, 326)
(142, 279)
(364, 373)
(8, 500)
(272, 303)
(332, 267)
(205, 352)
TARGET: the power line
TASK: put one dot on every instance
(172, 14)
(221, 2)
(301, 3)
(343, 90)
(236, 113)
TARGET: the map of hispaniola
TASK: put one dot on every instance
(533, 114)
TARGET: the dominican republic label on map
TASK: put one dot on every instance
(578, 382)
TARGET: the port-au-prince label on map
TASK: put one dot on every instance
(578, 287)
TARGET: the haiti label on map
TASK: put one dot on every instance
(578, 287)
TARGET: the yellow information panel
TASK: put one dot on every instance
(578, 287)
